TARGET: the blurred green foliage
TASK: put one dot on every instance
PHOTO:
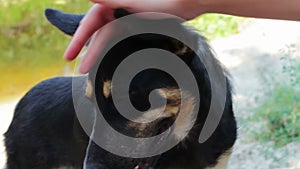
(27, 37)
(280, 106)
(214, 26)
(32, 50)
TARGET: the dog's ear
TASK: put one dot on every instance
(66, 22)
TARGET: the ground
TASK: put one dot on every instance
(259, 46)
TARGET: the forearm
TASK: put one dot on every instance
(273, 9)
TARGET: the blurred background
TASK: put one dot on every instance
(262, 56)
(31, 49)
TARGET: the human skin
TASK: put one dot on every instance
(102, 13)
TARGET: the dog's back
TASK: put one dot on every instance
(43, 129)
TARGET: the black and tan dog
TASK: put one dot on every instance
(45, 132)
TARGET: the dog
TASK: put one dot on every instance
(46, 133)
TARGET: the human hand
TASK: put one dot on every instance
(95, 18)
(103, 12)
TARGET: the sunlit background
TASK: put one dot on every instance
(262, 56)
(31, 49)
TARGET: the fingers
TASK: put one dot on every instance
(186, 9)
(100, 38)
(137, 5)
(102, 13)
(98, 42)
(96, 17)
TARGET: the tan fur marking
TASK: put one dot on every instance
(89, 89)
(173, 95)
(171, 111)
(182, 51)
(107, 88)
(185, 120)
(160, 113)
(223, 160)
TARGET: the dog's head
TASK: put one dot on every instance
(163, 85)
(148, 82)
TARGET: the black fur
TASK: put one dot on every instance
(45, 132)
(65, 22)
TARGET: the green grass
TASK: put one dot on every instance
(32, 50)
(214, 26)
(280, 106)
(282, 111)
